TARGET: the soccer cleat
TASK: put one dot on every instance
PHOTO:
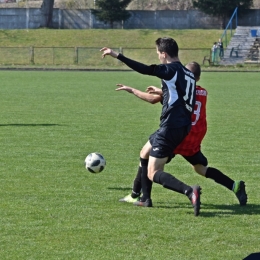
(147, 203)
(129, 199)
(195, 199)
(240, 192)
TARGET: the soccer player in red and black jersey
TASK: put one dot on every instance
(190, 148)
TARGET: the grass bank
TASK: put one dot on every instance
(112, 38)
(15, 47)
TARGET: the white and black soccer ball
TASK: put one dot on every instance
(95, 162)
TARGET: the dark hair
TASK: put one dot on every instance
(167, 45)
(194, 67)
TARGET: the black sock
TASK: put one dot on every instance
(146, 183)
(137, 186)
(171, 183)
(219, 177)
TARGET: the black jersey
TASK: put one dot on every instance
(178, 86)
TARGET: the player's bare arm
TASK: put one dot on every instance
(107, 51)
(123, 87)
(154, 90)
(151, 98)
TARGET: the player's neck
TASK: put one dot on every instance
(170, 60)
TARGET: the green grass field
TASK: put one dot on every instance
(53, 208)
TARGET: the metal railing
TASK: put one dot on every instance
(229, 26)
(91, 57)
(87, 56)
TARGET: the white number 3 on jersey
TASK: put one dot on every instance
(196, 112)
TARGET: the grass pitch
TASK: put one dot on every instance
(53, 208)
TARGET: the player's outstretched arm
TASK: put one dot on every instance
(151, 98)
(154, 90)
(124, 87)
(107, 51)
(135, 65)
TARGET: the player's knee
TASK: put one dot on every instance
(150, 175)
(200, 169)
(151, 172)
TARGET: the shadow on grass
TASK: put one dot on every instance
(212, 210)
(120, 188)
(207, 210)
(30, 125)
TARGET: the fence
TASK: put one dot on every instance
(91, 57)
(86, 56)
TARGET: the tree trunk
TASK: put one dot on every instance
(47, 10)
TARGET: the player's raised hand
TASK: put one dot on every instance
(123, 87)
(107, 51)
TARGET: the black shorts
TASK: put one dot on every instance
(165, 140)
(197, 158)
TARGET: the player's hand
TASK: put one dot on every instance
(123, 87)
(154, 90)
(108, 51)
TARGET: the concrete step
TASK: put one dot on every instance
(243, 38)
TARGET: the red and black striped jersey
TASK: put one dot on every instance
(192, 142)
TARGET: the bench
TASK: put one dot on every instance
(235, 50)
(208, 58)
(254, 53)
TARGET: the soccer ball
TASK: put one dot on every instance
(95, 162)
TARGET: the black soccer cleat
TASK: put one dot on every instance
(240, 191)
(146, 203)
(195, 199)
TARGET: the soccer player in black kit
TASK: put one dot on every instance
(178, 100)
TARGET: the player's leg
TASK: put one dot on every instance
(136, 189)
(146, 184)
(159, 154)
(145, 200)
(137, 184)
(170, 182)
(164, 143)
(238, 187)
(200, 162)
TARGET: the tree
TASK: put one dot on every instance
(110, 11)
(47, 10)
(222, 8)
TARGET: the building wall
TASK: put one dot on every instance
(22, 18)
